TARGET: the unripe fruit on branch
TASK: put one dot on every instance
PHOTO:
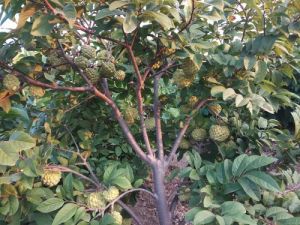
(111, 194)
(130, 115)
(150, 123)
(92, 74)
(199, 134)
(88, 51)
(118, 219)
(120, 75)
(96, 201)
(36, 91)
(184, 144)
(81, 62)
(11, 82)
(107, 69)
(181, 80)
(51, 178)
(219, 133)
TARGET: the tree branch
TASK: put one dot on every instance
(78, 26)
(139, 88)
(31, 81)
(191, 18)
(159, 138)
(176, 144)
(124, 126)
(74, 66)
(66, 169)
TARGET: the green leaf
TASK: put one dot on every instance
(232, 208)
(9, 151)
(217, 90)
(41, 26)
(228, 93)
(275, 210)
(249, 188)
(263, 180)
(290, 221)
(162, 19)
(65, 213)
(220, 220)
(50, 205)
(122, 182)
(219, 4)
(106, 12)
(267, 107)
(249, 62)
(260, 71)
(117, 4)
(130, 22)
(204, 217)
(258, 162)
(237, 166)
(296, 117)
(70, 13)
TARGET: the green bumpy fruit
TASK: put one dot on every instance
(118, 219)
(189, 67)
(184, 144)
(105, 55)
(130, 115)
(111, 194)
(199, 134)
(107, 69)
(96, 201)
(181, 80)
(36, 91)
(11, 82)
(51, 178)
(120, 75)
(219, 133)
(88, 51)
(92, 74)
(55, 60)
(81, 62)
(150, 123)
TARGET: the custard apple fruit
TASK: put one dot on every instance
(199, 134)
(111, 194)
(11, 82)
(96, 201)
(88, 51)
(219, 133)
(51, 178)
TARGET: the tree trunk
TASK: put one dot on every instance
(162, 208)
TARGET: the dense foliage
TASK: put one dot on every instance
(98, 97)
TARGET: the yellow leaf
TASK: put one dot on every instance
(26, 12)
(38, 68)
(6, 3)
(4, 101)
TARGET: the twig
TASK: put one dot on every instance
(124, 126)
(66, 169)
(84, 161)
(42, 84)
(190, 20)
(74, 66)
(130, 212)
(121, 196)
(159, 138)
(139, 88)
(80, 103)
(176, 144)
